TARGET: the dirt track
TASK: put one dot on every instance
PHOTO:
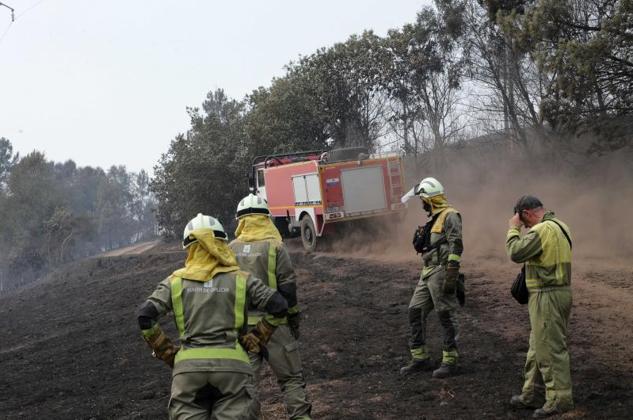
(136, 249)
(70, 347)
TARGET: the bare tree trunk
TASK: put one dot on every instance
(64, 242)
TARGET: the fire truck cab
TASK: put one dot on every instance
(310, 193)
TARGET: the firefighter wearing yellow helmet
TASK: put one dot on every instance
(211, 372)
(440, 243)
(259, 250)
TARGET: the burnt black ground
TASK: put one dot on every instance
(70, 347)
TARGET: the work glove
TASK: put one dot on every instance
(162, 347)
(293, 323)
(251, 342)
(450, 280)
(256, 339)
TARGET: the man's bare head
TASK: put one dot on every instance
(530, 210)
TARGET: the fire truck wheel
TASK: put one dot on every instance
(308, 234)
(282, 226)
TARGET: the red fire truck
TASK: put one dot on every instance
(311, 193)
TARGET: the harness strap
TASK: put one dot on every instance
(563, 230)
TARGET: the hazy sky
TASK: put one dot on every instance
(107, 82)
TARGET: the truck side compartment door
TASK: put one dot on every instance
(363, 190)
(307, 189)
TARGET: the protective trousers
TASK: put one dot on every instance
(428, 295)
(211, 395)
(284, 360)
(547, 359)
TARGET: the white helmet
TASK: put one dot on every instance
(199, 222)
(427, 188)
(252, 204)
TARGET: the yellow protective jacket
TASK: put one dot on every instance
(209, 298)
(445, 241)
(210, 317)
(260, 251)
(269, 261)
(545, 251)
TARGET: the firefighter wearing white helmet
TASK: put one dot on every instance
(429, 187)
(251, 204)
(202, 221)
(209, 297)
(259, 250)
(440, 286)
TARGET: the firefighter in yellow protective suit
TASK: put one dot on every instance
(212, 376)
(259, 250)
(440, 243)
(546, 252)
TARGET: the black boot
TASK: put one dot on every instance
(548, 410)
(541, 413)
(416, 365)
(517, 401)
(444, 371)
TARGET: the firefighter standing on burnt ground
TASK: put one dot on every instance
(259, 249)
(546, 252)
(440, 243)
(212, 376)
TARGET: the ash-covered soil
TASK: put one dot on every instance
(70, 347)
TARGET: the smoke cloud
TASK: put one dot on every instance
(593, 195)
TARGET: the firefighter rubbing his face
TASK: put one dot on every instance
(439, 287)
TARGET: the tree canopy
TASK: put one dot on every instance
(53, 213)
(525, 70)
